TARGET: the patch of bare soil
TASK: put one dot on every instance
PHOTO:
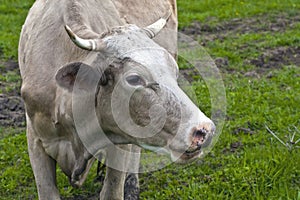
(272, 58)
(276, 58)
(234, 147)
(11, 104)
(264, 23)
(11, 111)
(9, 65)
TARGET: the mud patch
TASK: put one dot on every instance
(263, 23)
(190, 74)
(9, 65)
(276, 58)
(11, 105)
(11, 111)
(269, 58)
(243, 130)
(234, 147)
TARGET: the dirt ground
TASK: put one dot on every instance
(270, 58)
(11, 104)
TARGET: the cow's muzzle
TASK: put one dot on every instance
(200, 137)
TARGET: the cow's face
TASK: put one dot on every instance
(138, 98)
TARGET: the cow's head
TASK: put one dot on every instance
(138, 99)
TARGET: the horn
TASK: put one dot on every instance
(87, 44)
(153, 29)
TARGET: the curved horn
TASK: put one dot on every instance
(87, 44)
(153, 29)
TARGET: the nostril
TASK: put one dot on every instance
(199, 137)
(200, 133)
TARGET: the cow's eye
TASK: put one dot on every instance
(135, 80)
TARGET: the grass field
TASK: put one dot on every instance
(256, 45)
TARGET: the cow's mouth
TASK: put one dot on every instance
(176, 155)
(190, 155)
(187, 156)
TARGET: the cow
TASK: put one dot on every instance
(79, 62)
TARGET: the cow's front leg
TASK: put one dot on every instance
(113, 188)
(116, 171)
(121, 165)
(131, 188)
(43, 167)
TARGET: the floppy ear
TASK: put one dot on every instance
(78, 74)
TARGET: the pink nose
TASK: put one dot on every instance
(201, 136)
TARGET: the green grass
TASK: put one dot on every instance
(12, 16)
(260, 168)
(243, 175)
(247, 162)
(250, 45)
(16, 177)
(11, 80)
(221, 10)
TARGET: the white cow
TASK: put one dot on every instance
(74, 54)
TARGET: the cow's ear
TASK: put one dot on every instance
(79, 75)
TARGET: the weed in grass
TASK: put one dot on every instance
(292, 142)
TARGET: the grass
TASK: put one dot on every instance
(247, 162)
(251, 45)
(12, 15)
(259, 167)
(221, 10)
